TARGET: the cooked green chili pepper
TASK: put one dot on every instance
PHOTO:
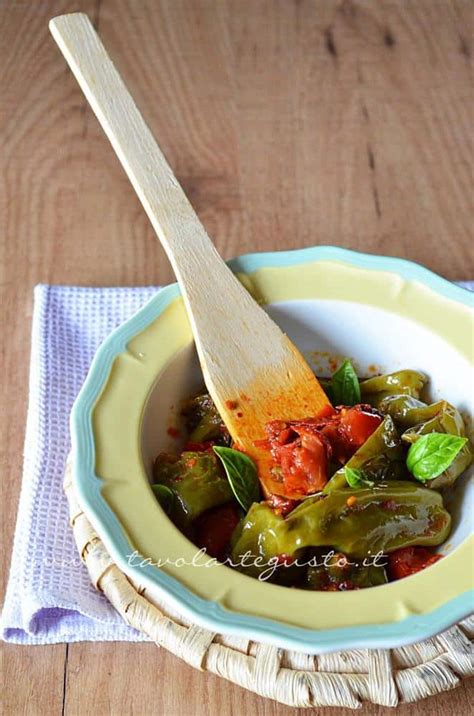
(408, 413)
(359, 523)
(334, 571)
(441, 417)
(196, 480)
(400, 408)
(403, 382)
(457, 467)
(203, 420)
(381, 457)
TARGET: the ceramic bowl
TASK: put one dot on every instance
(385, 314)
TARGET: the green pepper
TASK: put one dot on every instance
(408, 413)
(381, 457)
(334, 571)
(196, 480)
(440, 417)
(400, 408)
(359, 523)
(403, 382)
(359, 575)
(203, 420)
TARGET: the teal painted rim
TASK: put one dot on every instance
(209, 614)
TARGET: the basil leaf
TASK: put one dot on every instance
(242, 475)
(432, 454)
(345, 388)
(356, 478)
(165, 497)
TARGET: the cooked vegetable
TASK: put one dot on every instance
(302, 449)
(300, 454)
(381, 457)
(410, 560)
(339, 573)
(409, 413)
(357, 478)
(165, 496)
(345, 388)
(196, 480)
(440, 417)
(432, 454)
(203, 421)
(242, 475)
(401, 408)
(355, 426)
(382, 519)
(406, 382)
(372, 521)
(214, 528)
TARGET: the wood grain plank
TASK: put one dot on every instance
(141, 679)
(288, 123)
(33, 679)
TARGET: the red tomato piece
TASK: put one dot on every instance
(409, 560)
(214, 529)
(281, 505)
(358, 423)
(305, 468)
(301, 452)
(303, 448)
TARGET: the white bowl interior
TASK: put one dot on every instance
(375, 340)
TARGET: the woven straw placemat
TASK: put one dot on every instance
(346, 679)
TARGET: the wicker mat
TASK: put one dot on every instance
(346, 679)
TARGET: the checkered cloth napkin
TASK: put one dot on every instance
(49, 597)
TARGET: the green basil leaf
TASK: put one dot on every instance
(356, 478)
(242, 475)
(165, 497)
(432, 454)
(345, 388)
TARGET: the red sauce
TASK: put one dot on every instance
(301, 449)
(173, 432)
(281, 505)
(214, 529)
(409, 560)
(389, 505)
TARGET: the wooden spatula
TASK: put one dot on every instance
(251, 369)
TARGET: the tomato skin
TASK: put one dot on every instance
(303, 448)
(358, 423)
(214, 529)
(302, 453)
(307, 467)
(409, 560)
(281, 505)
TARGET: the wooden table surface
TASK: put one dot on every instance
(289, 123)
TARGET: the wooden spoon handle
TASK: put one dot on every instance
(242, 351)
(195, 261)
